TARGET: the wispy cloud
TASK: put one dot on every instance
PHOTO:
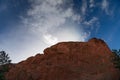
(84, 7)
(91, 22)
(92, 3)
(47, 22)
(105, 7)
(48, 16)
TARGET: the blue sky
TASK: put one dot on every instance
(27, 27)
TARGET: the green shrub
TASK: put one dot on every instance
(116, 59)
(3, 70)
(2, 76)
(4, 58)
(4, 64)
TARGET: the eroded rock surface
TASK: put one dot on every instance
(90, 60)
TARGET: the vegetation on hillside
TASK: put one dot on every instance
(4, 63)
(116, 58)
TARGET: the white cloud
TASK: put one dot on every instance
(92, 4)
(91, 22)
(84, 7)
(105, 6)
(46, 17)
(48, 22)
(49, 39)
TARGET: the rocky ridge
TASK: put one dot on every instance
(90, 60)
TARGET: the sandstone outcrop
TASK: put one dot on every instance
(90, 60)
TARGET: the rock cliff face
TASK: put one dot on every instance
(90, 60)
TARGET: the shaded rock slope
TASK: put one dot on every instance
(90, 60)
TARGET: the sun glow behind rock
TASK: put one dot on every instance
(68, 33)
(45, 23)
(50, 40)
(53, 23)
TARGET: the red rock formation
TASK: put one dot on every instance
(68, 61)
